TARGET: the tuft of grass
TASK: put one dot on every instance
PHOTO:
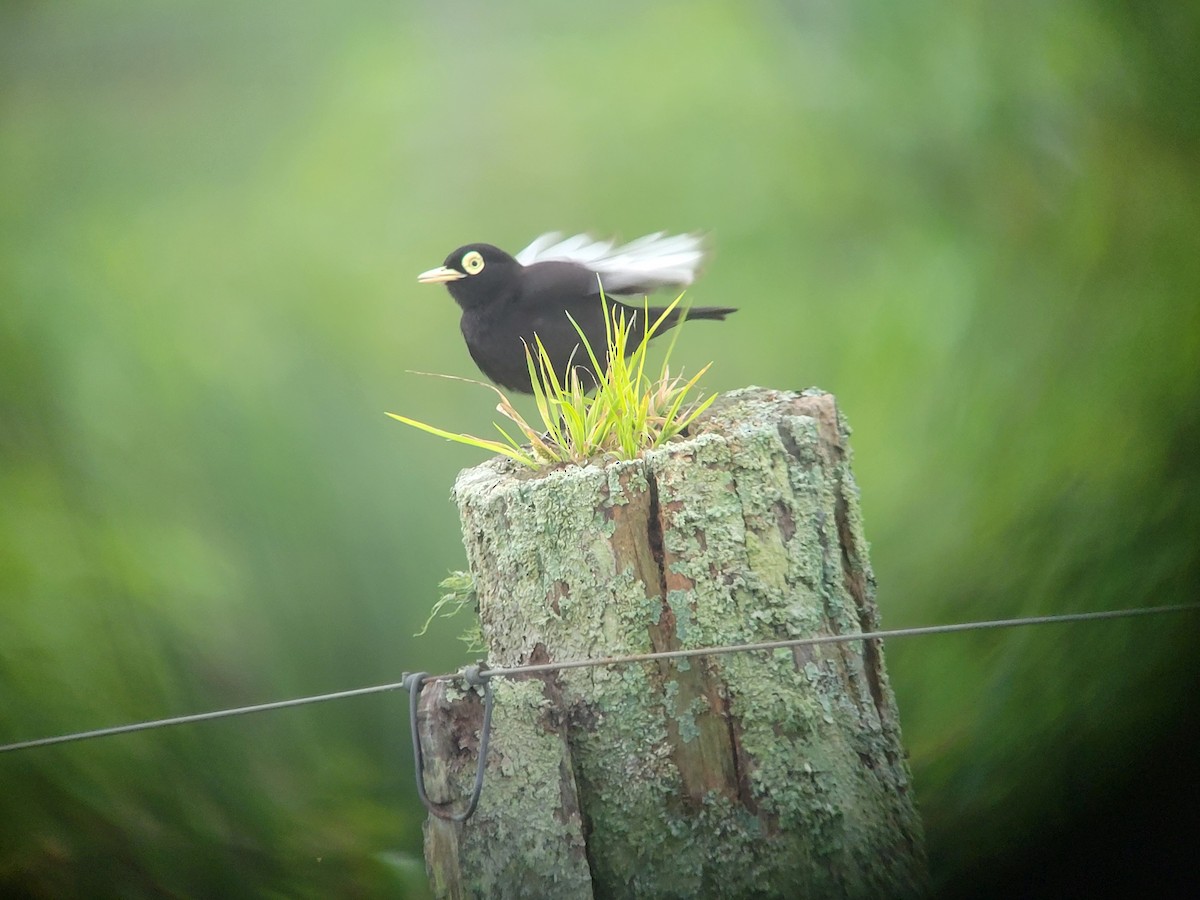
(628, 411)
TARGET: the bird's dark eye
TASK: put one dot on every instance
(472, 262)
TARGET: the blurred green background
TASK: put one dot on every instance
(977, 224)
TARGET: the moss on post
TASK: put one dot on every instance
(753, 774)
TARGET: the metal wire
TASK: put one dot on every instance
(201, 717)
(541, 668)
(835, 639)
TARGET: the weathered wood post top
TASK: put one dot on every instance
(753, 774)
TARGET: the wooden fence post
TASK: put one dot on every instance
(755, 774)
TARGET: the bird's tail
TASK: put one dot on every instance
(708, 312)
(679, 313)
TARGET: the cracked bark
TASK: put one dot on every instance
(767, 775)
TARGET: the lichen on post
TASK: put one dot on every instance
(760, 774)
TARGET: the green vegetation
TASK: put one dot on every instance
(458, 598)
(626, 412)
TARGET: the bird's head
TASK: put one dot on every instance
(474, 274)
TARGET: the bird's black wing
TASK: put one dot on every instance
(554, 293)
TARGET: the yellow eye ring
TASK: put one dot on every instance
(472, 262)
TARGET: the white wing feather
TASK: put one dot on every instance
(654, 261)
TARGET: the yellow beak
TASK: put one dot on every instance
(440, 275)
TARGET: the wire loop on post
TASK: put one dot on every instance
(413, 683)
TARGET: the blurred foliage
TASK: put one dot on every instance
(975, 223)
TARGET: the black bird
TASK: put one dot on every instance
(506, 300)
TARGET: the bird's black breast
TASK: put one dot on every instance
(536, 302)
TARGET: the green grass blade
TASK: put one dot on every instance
(469, 440)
